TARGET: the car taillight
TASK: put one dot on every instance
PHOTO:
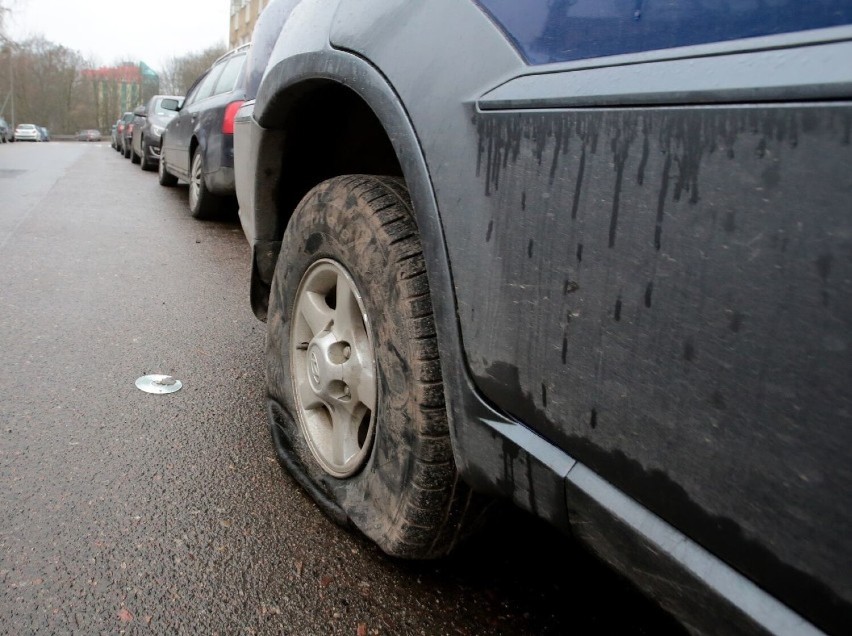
(121, 128)
(230, 114)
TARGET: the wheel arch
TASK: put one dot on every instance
(325, 114)
(285, 104)
(193, 145)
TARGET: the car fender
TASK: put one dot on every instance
(281, 86)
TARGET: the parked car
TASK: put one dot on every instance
(148, 125)
(44, 132)
(6, 133)
(198, 144)
(123, 134)
(27, 132)
(90, 134)
(114, 135)
(590, 257)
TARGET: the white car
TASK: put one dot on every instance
(27, 132)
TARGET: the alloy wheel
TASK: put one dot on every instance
(333, 369)
(195, 181)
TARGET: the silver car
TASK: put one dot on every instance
(27, 132)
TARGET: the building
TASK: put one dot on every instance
(243, 18)
(119, 89)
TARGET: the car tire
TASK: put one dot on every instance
(202, 203)
(134, 158)
(165, 177)
(144, 161)
(351, 273)
(125, 151)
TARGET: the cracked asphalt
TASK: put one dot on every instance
(125, 512)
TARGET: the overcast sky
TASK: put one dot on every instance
(106, 31)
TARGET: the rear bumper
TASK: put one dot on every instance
(221, 181)
(219, 164)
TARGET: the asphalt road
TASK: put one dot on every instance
(124, 512)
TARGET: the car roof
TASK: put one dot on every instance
(240, 49)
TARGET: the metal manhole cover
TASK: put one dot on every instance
(158, 384)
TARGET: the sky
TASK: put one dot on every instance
(106, 31)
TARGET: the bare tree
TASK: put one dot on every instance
(5, 50)
(4, 9)
(179, 73)
(58, 88)
(46, 80)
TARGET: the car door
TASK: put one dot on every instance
(182, 130)
(673, 228)
(647, 221)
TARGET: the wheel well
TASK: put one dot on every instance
(328, 131)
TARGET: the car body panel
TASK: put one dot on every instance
(672, 253)
(547, 31)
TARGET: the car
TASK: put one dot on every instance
(148, 125)
(198, 144)
(27, 132)
(44, 132)
(123, 134)
(114, 135)
(90, 134)
(588, 257)
(6, 133)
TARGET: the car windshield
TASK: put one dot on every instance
(26, 126)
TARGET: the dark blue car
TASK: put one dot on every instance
(592, 256)
(197, 145)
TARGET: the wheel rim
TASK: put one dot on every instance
(333, 369)
(195, 181)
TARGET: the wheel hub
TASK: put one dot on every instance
(325, 370)
(333, 369)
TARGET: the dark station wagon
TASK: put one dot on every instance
(592, 256)
(198, 142)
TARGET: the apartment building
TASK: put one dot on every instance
(243, 17)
